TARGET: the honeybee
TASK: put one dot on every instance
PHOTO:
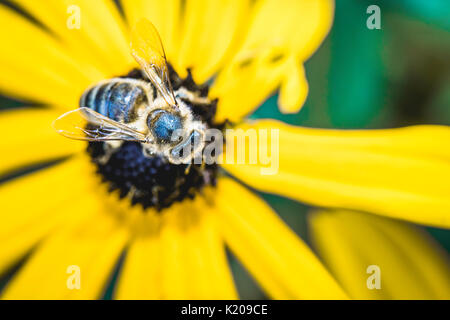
(126, 109)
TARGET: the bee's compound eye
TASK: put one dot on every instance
(164, 125)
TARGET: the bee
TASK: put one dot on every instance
(126, 109)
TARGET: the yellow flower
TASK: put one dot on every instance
(357, 247)
(65, 217)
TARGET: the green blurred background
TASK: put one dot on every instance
(360, 78)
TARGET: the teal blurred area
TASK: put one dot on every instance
(435, 12)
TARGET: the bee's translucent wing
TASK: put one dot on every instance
(86, 124)
(147, 49)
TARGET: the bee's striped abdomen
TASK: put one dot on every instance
(117, 99)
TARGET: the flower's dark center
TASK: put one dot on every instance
(155, 182)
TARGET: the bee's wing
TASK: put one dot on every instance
(147, 49)
(86, 124)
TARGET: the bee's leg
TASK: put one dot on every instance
(155, 191)
(188, 169)
(133, 191)
(109, 148)
(192, 97)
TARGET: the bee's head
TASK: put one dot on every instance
(163, 124)
(178, 138)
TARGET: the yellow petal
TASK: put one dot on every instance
(275, 23)
(177, 256)
(140, 277)
(294, 88)
(282, 264)
(411, 265)
(36, 66)
(31, 138)
(92, 245)
(35, 204)
(209, 33)
(189, 269)
(101, 38)
(402, 173)
(261, 63)
(241, 88)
